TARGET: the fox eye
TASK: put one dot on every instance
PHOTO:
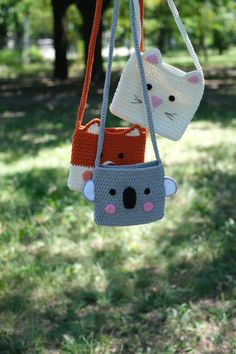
(121, 155)
(172, 98)
(147, 191)
(149, 87)
(112, 192)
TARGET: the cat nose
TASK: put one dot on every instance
(129, 198)
(156, 100)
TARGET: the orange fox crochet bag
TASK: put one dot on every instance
(122, 146)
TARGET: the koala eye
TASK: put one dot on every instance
(149, 87)
(147, 191)
(112, 192)
(121, 155)
(172, 98)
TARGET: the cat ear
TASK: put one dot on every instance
(154, 57)
(170, 186)
(93, 127)
(88, 191)
(134, 131)
(194, 77)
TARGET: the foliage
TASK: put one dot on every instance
(10, 57)
(209, 22)
(12, 16)
(34, 54)
(67, 286)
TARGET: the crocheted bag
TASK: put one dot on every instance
(133, 194)
(174, 94)
(85, 138)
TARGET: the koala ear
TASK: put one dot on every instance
(88, 191)
(154, 57)
(194, 77)
(170, 186)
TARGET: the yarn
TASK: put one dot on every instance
(84, 142)
(131, 194)
(174, 94)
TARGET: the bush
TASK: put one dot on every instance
(35, 54)
(10, 57)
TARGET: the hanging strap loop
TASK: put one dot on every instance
(107, 83)
(143, 80)
(108, 80)
(184, 35)
(90, 59)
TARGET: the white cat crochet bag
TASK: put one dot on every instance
(174, 94)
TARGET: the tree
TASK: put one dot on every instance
(60, 43)
(86, 9)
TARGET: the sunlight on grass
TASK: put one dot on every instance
(69, 286)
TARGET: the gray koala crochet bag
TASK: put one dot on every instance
(131, 194)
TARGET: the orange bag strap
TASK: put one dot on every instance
(90, 59)
(141, 5)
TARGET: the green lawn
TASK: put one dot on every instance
(69, 286)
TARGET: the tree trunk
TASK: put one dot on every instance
(87, 9)
(60, 43)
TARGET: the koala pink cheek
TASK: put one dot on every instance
(148, 206)
(86, 175)
(110, 208)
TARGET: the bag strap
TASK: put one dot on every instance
(143, 80)
(184, 35)
(107, 83)
(90, 59)
(108, 80)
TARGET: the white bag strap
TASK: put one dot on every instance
(138, 20)
(184, 35)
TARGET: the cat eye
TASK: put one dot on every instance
(121, 155)
(112, 192)
(149, 87)
(147, 191)
(172, 98)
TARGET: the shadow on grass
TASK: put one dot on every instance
(37, 114)
(133, 304)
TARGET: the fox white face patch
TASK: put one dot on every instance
(174, 95)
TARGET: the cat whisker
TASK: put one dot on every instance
(170, 115)
(136, 99)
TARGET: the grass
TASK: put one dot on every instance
(11, 66)
(68, 286)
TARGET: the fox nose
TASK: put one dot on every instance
(156, 100)
(129, 198)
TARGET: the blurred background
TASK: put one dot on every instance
(67, 285)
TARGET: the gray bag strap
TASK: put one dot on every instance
(108, 81)
(143, 79)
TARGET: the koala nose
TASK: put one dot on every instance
(129, 198)
(156, 100)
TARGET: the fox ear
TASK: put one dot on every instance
(93, 127)
(154, 57)
(88, 191)
(135, 131)
(194, 77)
(170, 186)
